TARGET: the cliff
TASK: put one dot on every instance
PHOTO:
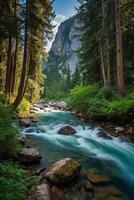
(65, 45)
(63, 59)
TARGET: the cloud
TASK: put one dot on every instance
(56, 22)
(60, 17)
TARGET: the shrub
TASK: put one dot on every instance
(96, 106)
(93, 100)
(121, 105)
(23, 108)
(8, 143)
(79, 96)
(14, 182)
(107, 93)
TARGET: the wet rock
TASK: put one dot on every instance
(39, 171)
(96, 178)
(22, 139)
(85, 187)
(29, 155)
(124, 139)
(41, 192)
(119, 129)
(63, 171)
(58, 192)
(34, 120)
(130, 131)
(104, 135)
(25, 122)
(67, 130)
(109, 193)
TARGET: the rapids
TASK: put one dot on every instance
(113, 157)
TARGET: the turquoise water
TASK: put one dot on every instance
(112, 157)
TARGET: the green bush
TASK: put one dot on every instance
(14, 182)
(107, 93)
(23, 108)
(8, 143)
(80, 95)
(121, 105)
(97, 106)
(93, 100)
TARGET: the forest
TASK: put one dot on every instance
(99, 90)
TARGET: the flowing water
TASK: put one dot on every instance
(112, 157)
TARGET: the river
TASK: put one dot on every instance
(112, 157)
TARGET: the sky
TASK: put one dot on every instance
(63, 10)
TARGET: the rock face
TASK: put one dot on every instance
(62, 64)
(67, 130)
(63, 171)
(29, 155)
(65, 45)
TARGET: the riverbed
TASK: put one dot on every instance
(112, 156)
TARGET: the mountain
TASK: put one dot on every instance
(63, 59)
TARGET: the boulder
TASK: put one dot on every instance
(41, 192)
(96, 178)
(22, 139)
(67, 130)
(63, 171)
(29, 155)
(119, 129)
(25, 122)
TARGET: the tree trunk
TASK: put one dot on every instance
(9, 62)
(120, 67)
(13, 78)
(108, 64)
(14, 66)
(22, 86)
(103, 68)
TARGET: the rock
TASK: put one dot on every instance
(85, 188)
(58, 192)
(34, 120)
(63, 171)
(124, 139)
(41, 192)
(29, 155)
(22, 139)
(25, 122)
(96, 178)
(108, 192)
(119, 129)
(67, 130)
(130, 131)
(104, 135)
(39, 171)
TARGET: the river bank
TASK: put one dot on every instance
(110, 126)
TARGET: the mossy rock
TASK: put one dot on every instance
(63, 171)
